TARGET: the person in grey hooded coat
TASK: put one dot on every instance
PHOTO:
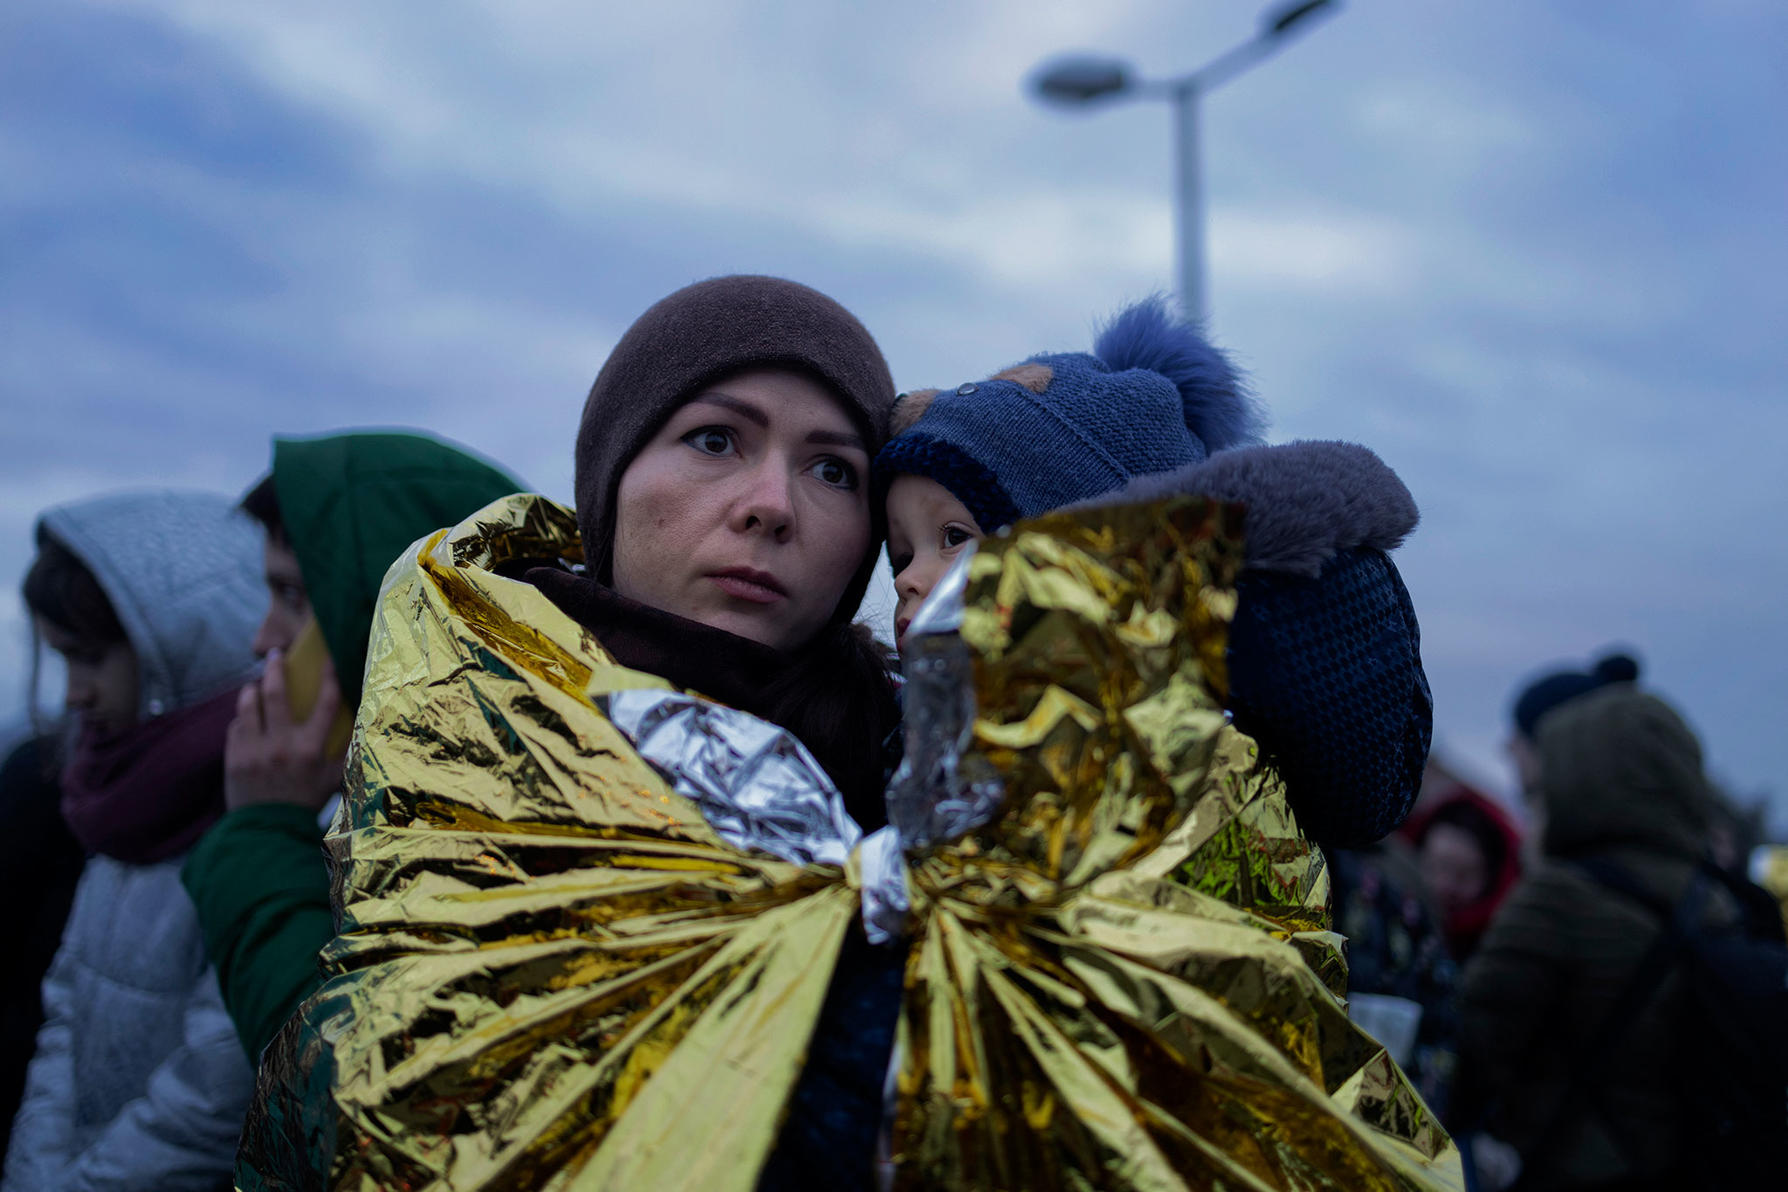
(138, 1081)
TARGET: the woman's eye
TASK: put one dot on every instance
(710, 440)
(836, 473)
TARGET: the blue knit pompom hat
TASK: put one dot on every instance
(1153, 395)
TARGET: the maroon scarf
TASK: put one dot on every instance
(149, 792)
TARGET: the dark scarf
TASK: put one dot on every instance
(769, 683)
(149, 792)
(724, 666)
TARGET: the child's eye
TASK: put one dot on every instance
(955, 536)
(710, 440)
(900, 562)
(836, 473)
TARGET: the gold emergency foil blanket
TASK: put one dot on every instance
(1126, 980)
(552, 974)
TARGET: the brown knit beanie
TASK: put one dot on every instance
(700, 335)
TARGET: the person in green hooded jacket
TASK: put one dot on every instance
(336, 510)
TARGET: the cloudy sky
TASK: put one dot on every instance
(1532, 253)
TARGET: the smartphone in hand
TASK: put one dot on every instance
(304, 666)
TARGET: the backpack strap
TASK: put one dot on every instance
(1761, 914)
(1589, 1067)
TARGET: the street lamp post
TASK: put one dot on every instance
(1189, 228)
(1081, 80)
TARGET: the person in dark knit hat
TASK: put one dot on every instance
(729, 405)
(708, 375)
(1552, 690)
(1590, 1077)
(1325, 662)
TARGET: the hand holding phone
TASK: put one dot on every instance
(306, 666)
(291, 732)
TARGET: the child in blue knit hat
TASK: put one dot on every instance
(1152, 396)
(1325, 664)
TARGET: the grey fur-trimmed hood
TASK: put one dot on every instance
(1307, 501)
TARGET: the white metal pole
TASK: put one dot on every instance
(1191, 203)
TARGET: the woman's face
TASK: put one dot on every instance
(102, 678)
(747, 511)
(1455, 868)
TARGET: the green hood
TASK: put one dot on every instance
(352, 503)
(1619, 767)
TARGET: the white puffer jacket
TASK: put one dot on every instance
(139, 1081)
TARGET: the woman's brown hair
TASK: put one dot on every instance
(60, 589)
